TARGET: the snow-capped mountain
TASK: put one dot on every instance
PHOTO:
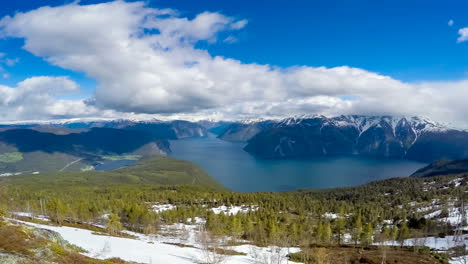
(157, 128)
(414, 138)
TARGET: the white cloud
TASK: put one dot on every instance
(145, 61)
(230, 39)
(463, 32)
(37, 97)
(450, 23)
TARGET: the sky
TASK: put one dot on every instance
(212, 59)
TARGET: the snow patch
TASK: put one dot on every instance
(234, 210)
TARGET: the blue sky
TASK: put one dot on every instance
(410, 41)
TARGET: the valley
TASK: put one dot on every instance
(165, 209)
(149, 191)
(233, 132)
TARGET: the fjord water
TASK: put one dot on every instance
(239, 171)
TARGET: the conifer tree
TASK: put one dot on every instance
(236, 226)
(340, 225)
(114, 226)
(367, 235)
(319, 232)
(404, 233)
(327, 232)
(357, 231)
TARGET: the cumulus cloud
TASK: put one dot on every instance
(145, 61)
(463, 32)
(38, 97)
(450, 23)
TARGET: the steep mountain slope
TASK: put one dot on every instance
(244, 131)
(443, 167)
(216, 127)
(378, 136)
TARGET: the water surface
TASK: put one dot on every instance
(239, 171)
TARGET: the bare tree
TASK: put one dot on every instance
(211, 247)
(269, 255)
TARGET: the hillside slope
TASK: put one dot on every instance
(31, 151)
(157, 170)
(443, 167)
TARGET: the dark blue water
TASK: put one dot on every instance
(114, 164)
(241, 172)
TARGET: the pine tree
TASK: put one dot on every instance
(236, 226)
(319, 233)
(367, 235)
(404, 233)
(340, 225)
(327, 232)
(114, 226)
(357, 231)
(273, 231)
(57, 210)
(249, 228)
(394, 233)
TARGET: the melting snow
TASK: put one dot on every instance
(154, 249)
(159, 208)
(234, 210)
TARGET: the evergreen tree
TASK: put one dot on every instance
(367, 235)
(404, 233)
(273, 232)
(357, 230)
(327, 232)
(320, 232)
(340, 224)
(236, 226)
(114, 226)
(57, 210)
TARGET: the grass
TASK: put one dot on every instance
(369, 255)
(179, 245)
(123, 157)
(157, 170)
(11, 157)
(21, 241)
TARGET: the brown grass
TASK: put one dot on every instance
(14, 239)
(368, 255)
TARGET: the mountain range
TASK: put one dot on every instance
(84, 144)
(412, 138)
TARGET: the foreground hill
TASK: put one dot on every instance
(377, 136)
(344, 225)
(443, 167)
(157, 170)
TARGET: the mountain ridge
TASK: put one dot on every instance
(413, 138)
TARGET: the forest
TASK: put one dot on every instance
(320, 222)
